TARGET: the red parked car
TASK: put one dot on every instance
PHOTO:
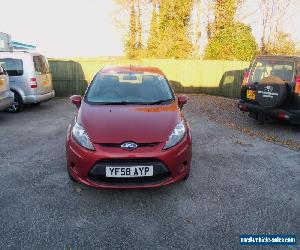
(129, 131)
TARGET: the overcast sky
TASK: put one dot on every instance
(63, 27)
(70, 28)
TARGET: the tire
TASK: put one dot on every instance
(271, 92)
(71, 177)
(297, 128)
(18, 104)
(186, 177)
(253, 115)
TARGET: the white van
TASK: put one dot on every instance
(29, 78)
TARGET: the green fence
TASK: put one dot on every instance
(186, 76)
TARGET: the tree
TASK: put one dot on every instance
(129, 19)
(131, 44)
(236, 42)
(197, 29)
(169, 35)
(153, 40)
(174, 29)
(229, 39)
(224, 12)
(272, 12)
(139, 45)
(281, 44)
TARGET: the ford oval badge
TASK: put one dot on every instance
(129, 145)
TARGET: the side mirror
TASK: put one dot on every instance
(76, 99)
(182, 100)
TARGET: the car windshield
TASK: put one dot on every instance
(268, 67)
(129, 88)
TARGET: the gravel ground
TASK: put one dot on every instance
(250, 187)
(224, 111)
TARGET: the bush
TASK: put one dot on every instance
(235, 42)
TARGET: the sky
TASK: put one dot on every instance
(63, 28)
(87, 28)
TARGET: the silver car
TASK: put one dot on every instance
(29, 77)
(6, 96)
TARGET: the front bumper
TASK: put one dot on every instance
(176, 161)
(39, 98)
(6, 102)
(292, 117)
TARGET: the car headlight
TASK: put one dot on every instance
(176, 136)
(81, 136)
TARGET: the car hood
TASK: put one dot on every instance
(137, 123)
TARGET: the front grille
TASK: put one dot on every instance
(160, 172)
(118, 145)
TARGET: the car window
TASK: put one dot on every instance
(13, 67)
(130, 87)
(268, 67)
(40, 64)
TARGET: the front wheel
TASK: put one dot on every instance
(18, 104)
(297, 128)
(186, 177)
(71, 177)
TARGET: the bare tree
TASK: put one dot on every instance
(208, 15)
(122, 14)
(243, 11)
(139, 26)
(272, 12)
(197, 28)
(282, 44)
(153, 38)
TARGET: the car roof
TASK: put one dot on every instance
(278, 57)
(132, 68)
(20, 52)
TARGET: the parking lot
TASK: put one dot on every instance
(239, 184)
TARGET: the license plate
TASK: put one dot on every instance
(121, 172)
(251, 95)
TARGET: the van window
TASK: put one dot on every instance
(13, 67)
(41, 64)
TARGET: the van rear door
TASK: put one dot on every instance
(43, 75)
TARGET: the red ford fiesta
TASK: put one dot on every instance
(129, 131)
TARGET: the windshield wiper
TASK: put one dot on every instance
(160, 102)
(136, 103)
(119, 103)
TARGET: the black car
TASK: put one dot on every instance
(271, 88)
